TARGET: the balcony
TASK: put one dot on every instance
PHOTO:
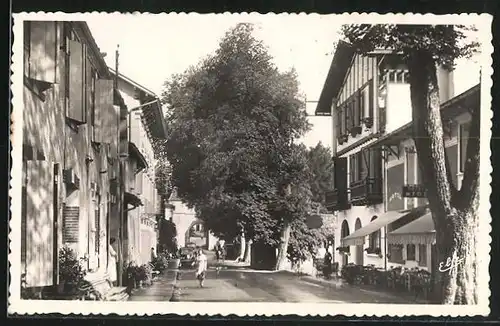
(367, 191)
(336, 200)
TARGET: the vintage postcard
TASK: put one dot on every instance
(260, 164)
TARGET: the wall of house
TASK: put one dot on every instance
(364, 214)
(53, 55)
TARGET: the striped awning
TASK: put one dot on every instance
(420, 231)
(357, 238)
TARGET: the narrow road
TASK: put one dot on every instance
(244, 285)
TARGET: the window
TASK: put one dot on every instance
(356, 167)
(395, 253)
(410, 176)
(452, 157)
(464, 137)
(374, 239)
(410, 252)
(422, 255)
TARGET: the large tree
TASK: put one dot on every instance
(454, 211)
(233, 119)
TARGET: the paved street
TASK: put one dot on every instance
(245, 285)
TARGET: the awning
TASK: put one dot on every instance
(358, 237)
(135, 152)
(420, 231)
(132, 199)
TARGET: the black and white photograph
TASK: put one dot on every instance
(260, 164)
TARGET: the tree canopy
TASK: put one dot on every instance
(233, 119)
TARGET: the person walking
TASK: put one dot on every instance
(201, 261)
(112, 266)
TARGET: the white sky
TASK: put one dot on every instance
(154, 47)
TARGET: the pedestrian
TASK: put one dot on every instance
(112, 263)
(327, 265)
(153, 254)
(201, 261)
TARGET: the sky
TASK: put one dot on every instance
(152, 48)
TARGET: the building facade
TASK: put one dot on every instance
(145, 124)
(377, 181)
(70, 150)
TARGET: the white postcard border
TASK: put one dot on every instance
(18, 306)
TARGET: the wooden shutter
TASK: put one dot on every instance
(371, 99)
(42, 55)
(343, 119)
(138, 184)
(103, 158)
(352, 168)
(104, 111)
(365, 163)
(356, 109)
(39, 223)
(114, 129)
(76, 107)
(89, 102)
(71, 224)
(123, 132)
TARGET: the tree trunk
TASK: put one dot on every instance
(457, 268)
(283, 246)
(454, 212)
(248, 252)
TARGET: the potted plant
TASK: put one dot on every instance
(368, 121)
(356, 130)
(71, 271)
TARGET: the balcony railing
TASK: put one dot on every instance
(336, 200)
(367, 191)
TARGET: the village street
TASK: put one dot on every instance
(242, 284)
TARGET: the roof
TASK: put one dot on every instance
(153, 113)
(344, 53)
(420, 231)
(92, 46)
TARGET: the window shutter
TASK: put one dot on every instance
(114, 129)
(138, 183)
(71, 226)
(123, 132)
(39, 223)
(365, 164)
(370, 99)
(76, 107)
(356, 109)
(42, 54)
(104, 111)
